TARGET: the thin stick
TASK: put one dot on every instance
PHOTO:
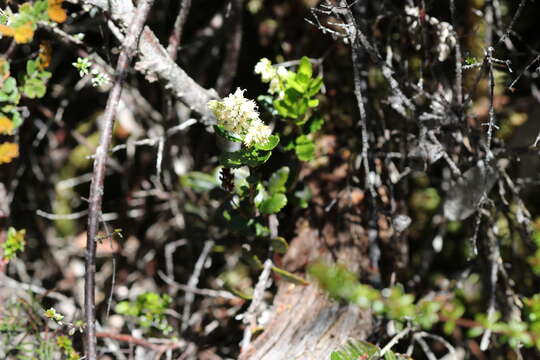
(96, 188)
(232, 49)
(394, 341)
(193, 281)
(176, 35)
(250, 316)
(203, 292)
(356, 61)
(459, 71)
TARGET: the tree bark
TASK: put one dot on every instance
(306, 323)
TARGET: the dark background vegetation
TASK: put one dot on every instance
(60, 132)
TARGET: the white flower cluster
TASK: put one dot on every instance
(444, 31)
(239, 116)
(272, 75)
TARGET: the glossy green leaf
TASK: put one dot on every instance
(199, 181)
(315, 124)
(305, 67)
(314, 86)
(304, 148)
(273, 204)
(249, 157)
(313, 103)
(278, 180)
(272, 142)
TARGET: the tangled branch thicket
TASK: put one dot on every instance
(378, 199)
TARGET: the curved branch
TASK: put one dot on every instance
(156, 64)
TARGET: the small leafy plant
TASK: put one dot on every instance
(14, 244)
(148, 310)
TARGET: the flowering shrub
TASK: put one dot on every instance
(239, 116)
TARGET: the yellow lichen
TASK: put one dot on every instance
(56, 12)
(6, 30)
(8, 152)
(24, 33)
(6, 125)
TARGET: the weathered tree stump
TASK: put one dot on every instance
(306, 324)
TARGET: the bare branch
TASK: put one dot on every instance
(96, 188)
(232, 49)
(176, 35)
(156, 64)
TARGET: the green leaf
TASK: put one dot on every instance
(284, 109)
(273, 204)
(303, 196)
(220, 130)
(304, 82)
(314, 86)
(277, 181)
(304, 148)
(125, 308)
(313, 103)
(31, 67)
(315, 124)
(300, 85)
(261, 230)
(273, 141)
(261, 195)
(354, 350)
(290, 277)
(199, 181)
(475, 332)
(40, 6)
(249, 157)
(16, 118)
(279, 245)
(305, 67)
(10, 85)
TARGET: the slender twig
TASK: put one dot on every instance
(203, 292)
(193, 281)
(232, 49)
(155, 63)
(355, 50)
(447, 345)
(519, 10)
(492, 259)
(425, 347)
(250, 316)
(138, 341)
(96, 188)
(491, 96)
(176, 35)
(394, 341)
(459, 71)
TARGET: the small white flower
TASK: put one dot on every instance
(239, 115)
(283, 73)
(265, 69)
(275, 86)
(258, 133)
